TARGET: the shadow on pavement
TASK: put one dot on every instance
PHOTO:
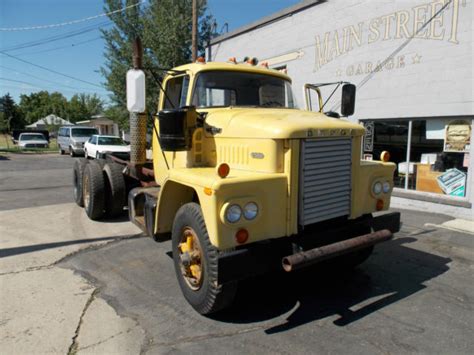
(4, 157)
(38, 247)
(393, 273)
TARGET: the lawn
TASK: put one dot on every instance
(6, 145)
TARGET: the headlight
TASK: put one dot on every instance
(386, 187)
(377, 188)
(250, 210)
(233, 213)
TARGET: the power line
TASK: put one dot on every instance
(62, 47)
(47, 80)
(57, 37)
(73, 22)
(50, 70)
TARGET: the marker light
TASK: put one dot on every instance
(386, 187)
(200, 60)
(379, 205)
(233, 60)
(377, 188)
(241, 236)
(233, 213)
(250, 211)
(264, 64)
(223, 170)
(385, 156)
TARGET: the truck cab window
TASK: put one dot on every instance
(177, 90)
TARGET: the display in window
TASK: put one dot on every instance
(453, 182)
(458, 137)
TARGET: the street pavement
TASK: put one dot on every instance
(70, 285)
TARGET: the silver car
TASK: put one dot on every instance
(71, 139)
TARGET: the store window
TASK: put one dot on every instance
(430, 155)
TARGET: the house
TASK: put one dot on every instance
(48, 121)
(103, 124)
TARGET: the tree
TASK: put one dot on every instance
(40, 104)
(165, 29)
(83, 107)
(12, 117)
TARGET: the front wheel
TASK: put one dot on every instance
(196, 263)
(71, 152)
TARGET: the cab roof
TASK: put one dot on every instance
(195, 68)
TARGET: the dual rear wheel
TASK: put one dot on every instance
(99, 187)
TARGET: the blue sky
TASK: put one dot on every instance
(81, 56)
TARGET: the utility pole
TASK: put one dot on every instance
(195, 31)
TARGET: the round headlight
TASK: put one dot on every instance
(250, 210)
(377, 188)
(233, 213)
(386, 187)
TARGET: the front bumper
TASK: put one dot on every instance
(258, 258)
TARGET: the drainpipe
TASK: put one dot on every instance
(407, 173)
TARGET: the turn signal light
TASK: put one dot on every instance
(385, 156)
(223, 170)
(242, 236)
(379, 205)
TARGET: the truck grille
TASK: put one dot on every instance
(325, 179)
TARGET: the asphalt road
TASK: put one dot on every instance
(415, 294)
(28, 180)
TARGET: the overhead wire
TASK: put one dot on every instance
(73, 22)
(47, 80)
(50, 39)
(50, 70)
(70, 45)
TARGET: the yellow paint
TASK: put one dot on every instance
(261, 146)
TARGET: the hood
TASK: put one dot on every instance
(114, 148)
(80, 139)
(34, 141)
(278, 124)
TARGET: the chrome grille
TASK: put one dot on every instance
(325, 179)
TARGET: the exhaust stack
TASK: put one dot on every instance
(136, 106)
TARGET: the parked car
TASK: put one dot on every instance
(99, 144)
(71, 139)
(32, 140)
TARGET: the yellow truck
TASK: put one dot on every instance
(242, 181)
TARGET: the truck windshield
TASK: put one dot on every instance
(233, 88)
(83, 132)
(31, 137)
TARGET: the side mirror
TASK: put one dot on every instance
(348, 100)
(176, 128)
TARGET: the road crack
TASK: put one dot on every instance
(75, 345)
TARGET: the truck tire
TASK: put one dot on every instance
(77, 177)
(61, 150)
(196, 263)
(94, 190)
(115, 189)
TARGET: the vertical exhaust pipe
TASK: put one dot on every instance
(138, 120)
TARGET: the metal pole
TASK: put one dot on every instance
(407, 172)
(194, 31)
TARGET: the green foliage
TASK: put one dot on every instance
(83, 106)
(11, 116)
(40, 104)
(118, 114)
(164, 27)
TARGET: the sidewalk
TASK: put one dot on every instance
(47, 309)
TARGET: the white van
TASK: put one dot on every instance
(71, 139)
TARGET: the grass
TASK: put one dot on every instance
(7, 146)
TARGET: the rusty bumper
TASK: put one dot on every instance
(316, 255)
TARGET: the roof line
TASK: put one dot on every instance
(289, 11)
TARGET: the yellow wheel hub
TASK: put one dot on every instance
(190, 255)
